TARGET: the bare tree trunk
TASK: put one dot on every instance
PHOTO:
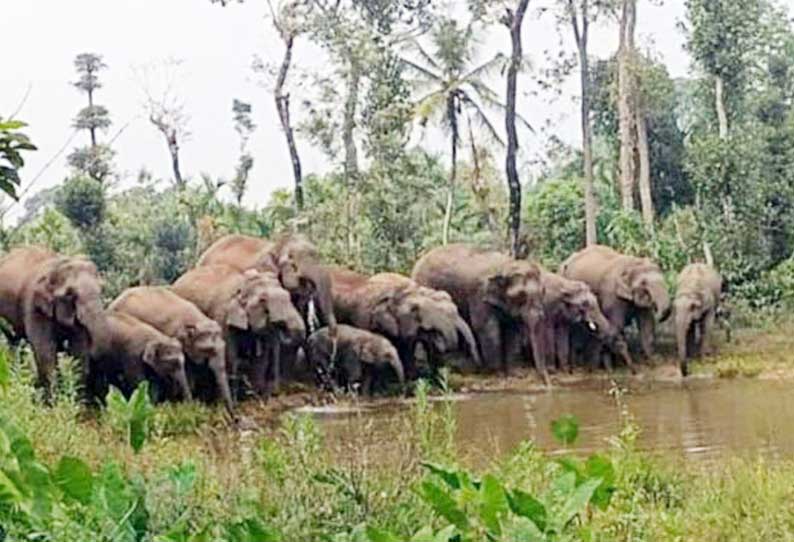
(514, 22)
(91, 105)
(453, 170)
(719, 99)
(645, 168)
(351, 153)
(625, 117)
(173, 147)
(591, 236)
(282, 106)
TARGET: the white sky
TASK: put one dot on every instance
(42, 37)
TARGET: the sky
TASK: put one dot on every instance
(216, 47)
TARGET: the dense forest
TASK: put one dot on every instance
(679, 170)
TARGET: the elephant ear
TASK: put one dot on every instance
(150, 353)
(43, 298)
(623, 284)
(382, 316)
(495, 286)
(236, 315)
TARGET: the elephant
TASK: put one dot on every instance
(356, 358)
(501, 298)
(133, 351)
(200, 336)
(696, 303)
(627, 288)
(55, 302)
(256, 314)
(295, 261)
(398, 308)
(569, 303)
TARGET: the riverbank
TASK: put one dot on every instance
(283, 477)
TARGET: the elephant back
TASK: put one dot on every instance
(239, 251)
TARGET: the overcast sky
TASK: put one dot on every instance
(217, 45)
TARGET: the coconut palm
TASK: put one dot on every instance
(450, 86)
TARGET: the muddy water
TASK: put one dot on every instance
(701, 420)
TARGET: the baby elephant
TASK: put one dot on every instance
(358, 357)
(132, 351)
(696, 303)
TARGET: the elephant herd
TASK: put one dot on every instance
(253, 309)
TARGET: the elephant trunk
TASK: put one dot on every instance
(535, 329)
(93, 318)
(218, 367)
(397, 367)
(661, 301)
(683, 321)
(464, 331)
(184, 386)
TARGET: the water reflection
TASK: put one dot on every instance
(699, 420)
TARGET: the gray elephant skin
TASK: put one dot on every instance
(55, 302)
(257, 317)
(697, 299)
(500, 298)
(132, 351)
(200, 336)
(357, 358)
(627, 287)
(398, 308)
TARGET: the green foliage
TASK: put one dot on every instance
(82, 201)
(12, 144)
(132, 417)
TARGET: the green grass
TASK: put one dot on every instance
(195, 478)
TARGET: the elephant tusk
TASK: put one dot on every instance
(592, 326)
(313, 321)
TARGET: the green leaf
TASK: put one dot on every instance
(450, 477)
(251, 530)
(525, 505)
(377, 535)
(599, 466)
(75, 479)
(8, 125)
(5, 370)
(493, 504)
(522, 529)
(577, 502)
(444, 505)
(183, 477)
(565, 429)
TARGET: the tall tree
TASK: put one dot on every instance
(513, 20)
(166, 110)
(286, 19)
(581, 9)
(244, 126)
(95, 159)
(626, 129)
(455, 85)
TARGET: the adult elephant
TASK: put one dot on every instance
(293, 258)
(55, 302)
(568, 303)
(201, 337)
(501, 298)
(256, 314)
(627, 288)
(696, 302)
(398, 308)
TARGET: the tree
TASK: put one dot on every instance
(456, 86)
(628, 21)
(244, 127)
(577, 9)
(12, 144)
(94, 160)
(286, 20)
(165, 110)
(513, 21)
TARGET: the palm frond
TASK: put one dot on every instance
(427, 57)
(427, 72)
(497, 62)
(481, 117)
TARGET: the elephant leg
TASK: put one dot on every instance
(233, 364)
(489, 337)
(647, 329)
(45, 352)
(407, 352)
(593, 352)
(366, 382)
(621, 348)
(562, 347)
(706, 335)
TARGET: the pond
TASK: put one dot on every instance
(697, 419)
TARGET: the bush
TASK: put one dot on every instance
(82, 201)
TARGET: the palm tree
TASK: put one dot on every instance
(451, 87)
